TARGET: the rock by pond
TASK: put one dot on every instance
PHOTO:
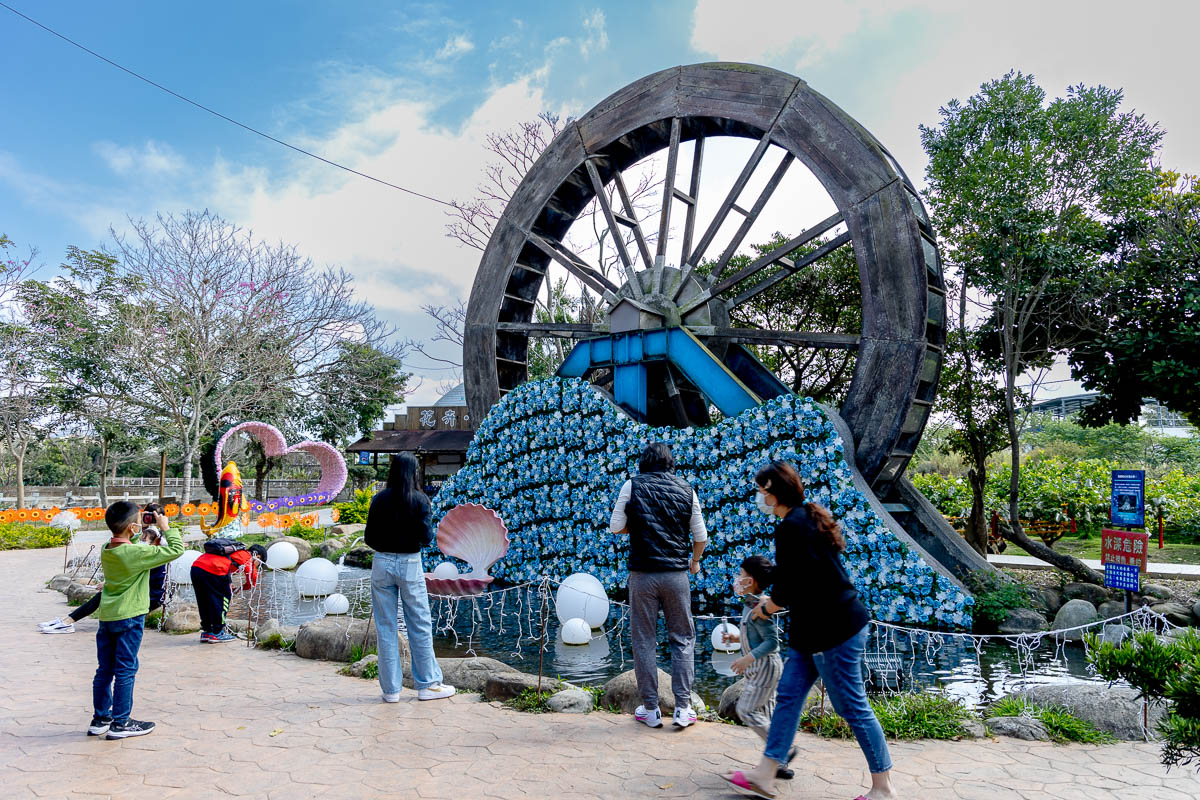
(1176, 613)
(571, 701)
(1023, 620)
(303, 547)
(1072, 615)
(1111, 608)
(1157, 591)
(333, 638)
(1027, 728)
(184, 618)
(1114, 709)
(1086, 591)
(360, 557)
(622, 692)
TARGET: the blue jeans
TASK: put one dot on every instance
(841, 669)
(117, 646)
(400, 578)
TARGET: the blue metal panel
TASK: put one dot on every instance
(628, 352)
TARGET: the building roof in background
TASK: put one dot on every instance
(406, 441)
(455, 397)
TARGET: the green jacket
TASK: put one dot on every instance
(127, 575)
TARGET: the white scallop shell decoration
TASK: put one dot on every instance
(474, 533)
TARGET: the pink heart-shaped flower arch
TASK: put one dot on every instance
(333, 466)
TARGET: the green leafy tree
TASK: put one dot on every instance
(1034, 201)
(1149, 334)
(351, 396)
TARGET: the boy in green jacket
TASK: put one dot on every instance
(124, 603)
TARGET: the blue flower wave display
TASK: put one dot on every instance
(552, 455)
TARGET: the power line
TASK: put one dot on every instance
(218, 114)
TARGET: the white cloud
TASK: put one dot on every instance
(455, 46)
(152, 159)
(595, 39)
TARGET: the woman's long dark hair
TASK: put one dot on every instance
(402, 478)
(781, 479)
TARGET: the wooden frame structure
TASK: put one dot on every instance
(899, 350)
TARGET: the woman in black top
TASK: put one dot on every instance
(828, 644)
(398, 526)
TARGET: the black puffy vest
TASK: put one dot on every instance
(659, 512)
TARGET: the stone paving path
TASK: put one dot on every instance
(234, 721)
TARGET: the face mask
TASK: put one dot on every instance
(760, 500)
(739, 588)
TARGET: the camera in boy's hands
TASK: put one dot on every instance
(148, 518)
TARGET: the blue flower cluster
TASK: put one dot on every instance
(551, 457)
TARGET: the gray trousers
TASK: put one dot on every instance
(670, 591)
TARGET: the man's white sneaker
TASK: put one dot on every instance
(684, 717)
(391, 698)
(51, 623)
(62, 627)
(652, 719)
(436, 692)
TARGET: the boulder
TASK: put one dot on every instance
(466, 674)
(357, 669)
(360, 557)
(328, 548)
(1196, 612)
(1026, 728)
(237, 625)
(348, 531)
(271, 627)
(571, 701)
(184, 618)
(507, 685)
(1157, 591)
(1049, 601)
(1023, 620)
(1086, 591)
(303, 547)
(1115, 709)
(974, 728)
(1111, 608)
(333, 638)
(622, 691)
(1073, 614)
(727, 705)
(1176, 613)
(59, 583)
(80, 593)
(1115, 633)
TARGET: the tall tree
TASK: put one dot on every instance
(352, 396)
(1149, 331)
(1033, 201)
(24, 405)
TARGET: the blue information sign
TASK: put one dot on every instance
(364, 458)
(1129, 498)
(1122, 576)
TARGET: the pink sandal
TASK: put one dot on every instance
(744, 786)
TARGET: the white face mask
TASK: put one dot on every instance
(760, 500)
(739, 586)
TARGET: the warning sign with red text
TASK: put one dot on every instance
(1126, 547)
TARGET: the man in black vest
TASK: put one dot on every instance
(661, 514)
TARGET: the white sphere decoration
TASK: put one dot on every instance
(337, 604)
(282, 555)
(582, 596)
(181, 568)
(316, 577)
(716, 638)
(575, 632)
(445, 571)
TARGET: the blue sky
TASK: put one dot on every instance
(408, 91)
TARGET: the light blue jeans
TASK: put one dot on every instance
(841, 669)
(400, 578)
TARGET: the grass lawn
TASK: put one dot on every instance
(1172, 553)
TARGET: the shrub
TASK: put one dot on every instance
(530, 701)
(355, 511)
(302, 531)
(995, 598)
(1164, 672)
(911, 715)
(275, 642)
(31, 536)
(1061, 724)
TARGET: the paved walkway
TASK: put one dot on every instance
(233, 721)
(1179, 572)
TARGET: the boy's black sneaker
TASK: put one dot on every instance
(130, 727)
(99, 726)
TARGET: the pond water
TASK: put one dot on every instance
(510, 633)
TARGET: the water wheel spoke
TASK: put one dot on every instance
(750, 216)
(730, 200)
(689, 222)
(610, 218)
(779, 254)
(759, 336)
(589, 275)
(664, 217)
(553, 330)
(789, 268)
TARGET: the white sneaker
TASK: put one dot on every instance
(62, 627)
(394, 697)
(651, 718)
(51, 624)
(436, 692)
(684, 717)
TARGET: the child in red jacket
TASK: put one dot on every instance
(214, 587)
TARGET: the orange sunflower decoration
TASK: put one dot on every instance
(188, 510)
(171, 510)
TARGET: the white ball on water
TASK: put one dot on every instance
(316, 577)
(575, 632)
(282, 555)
